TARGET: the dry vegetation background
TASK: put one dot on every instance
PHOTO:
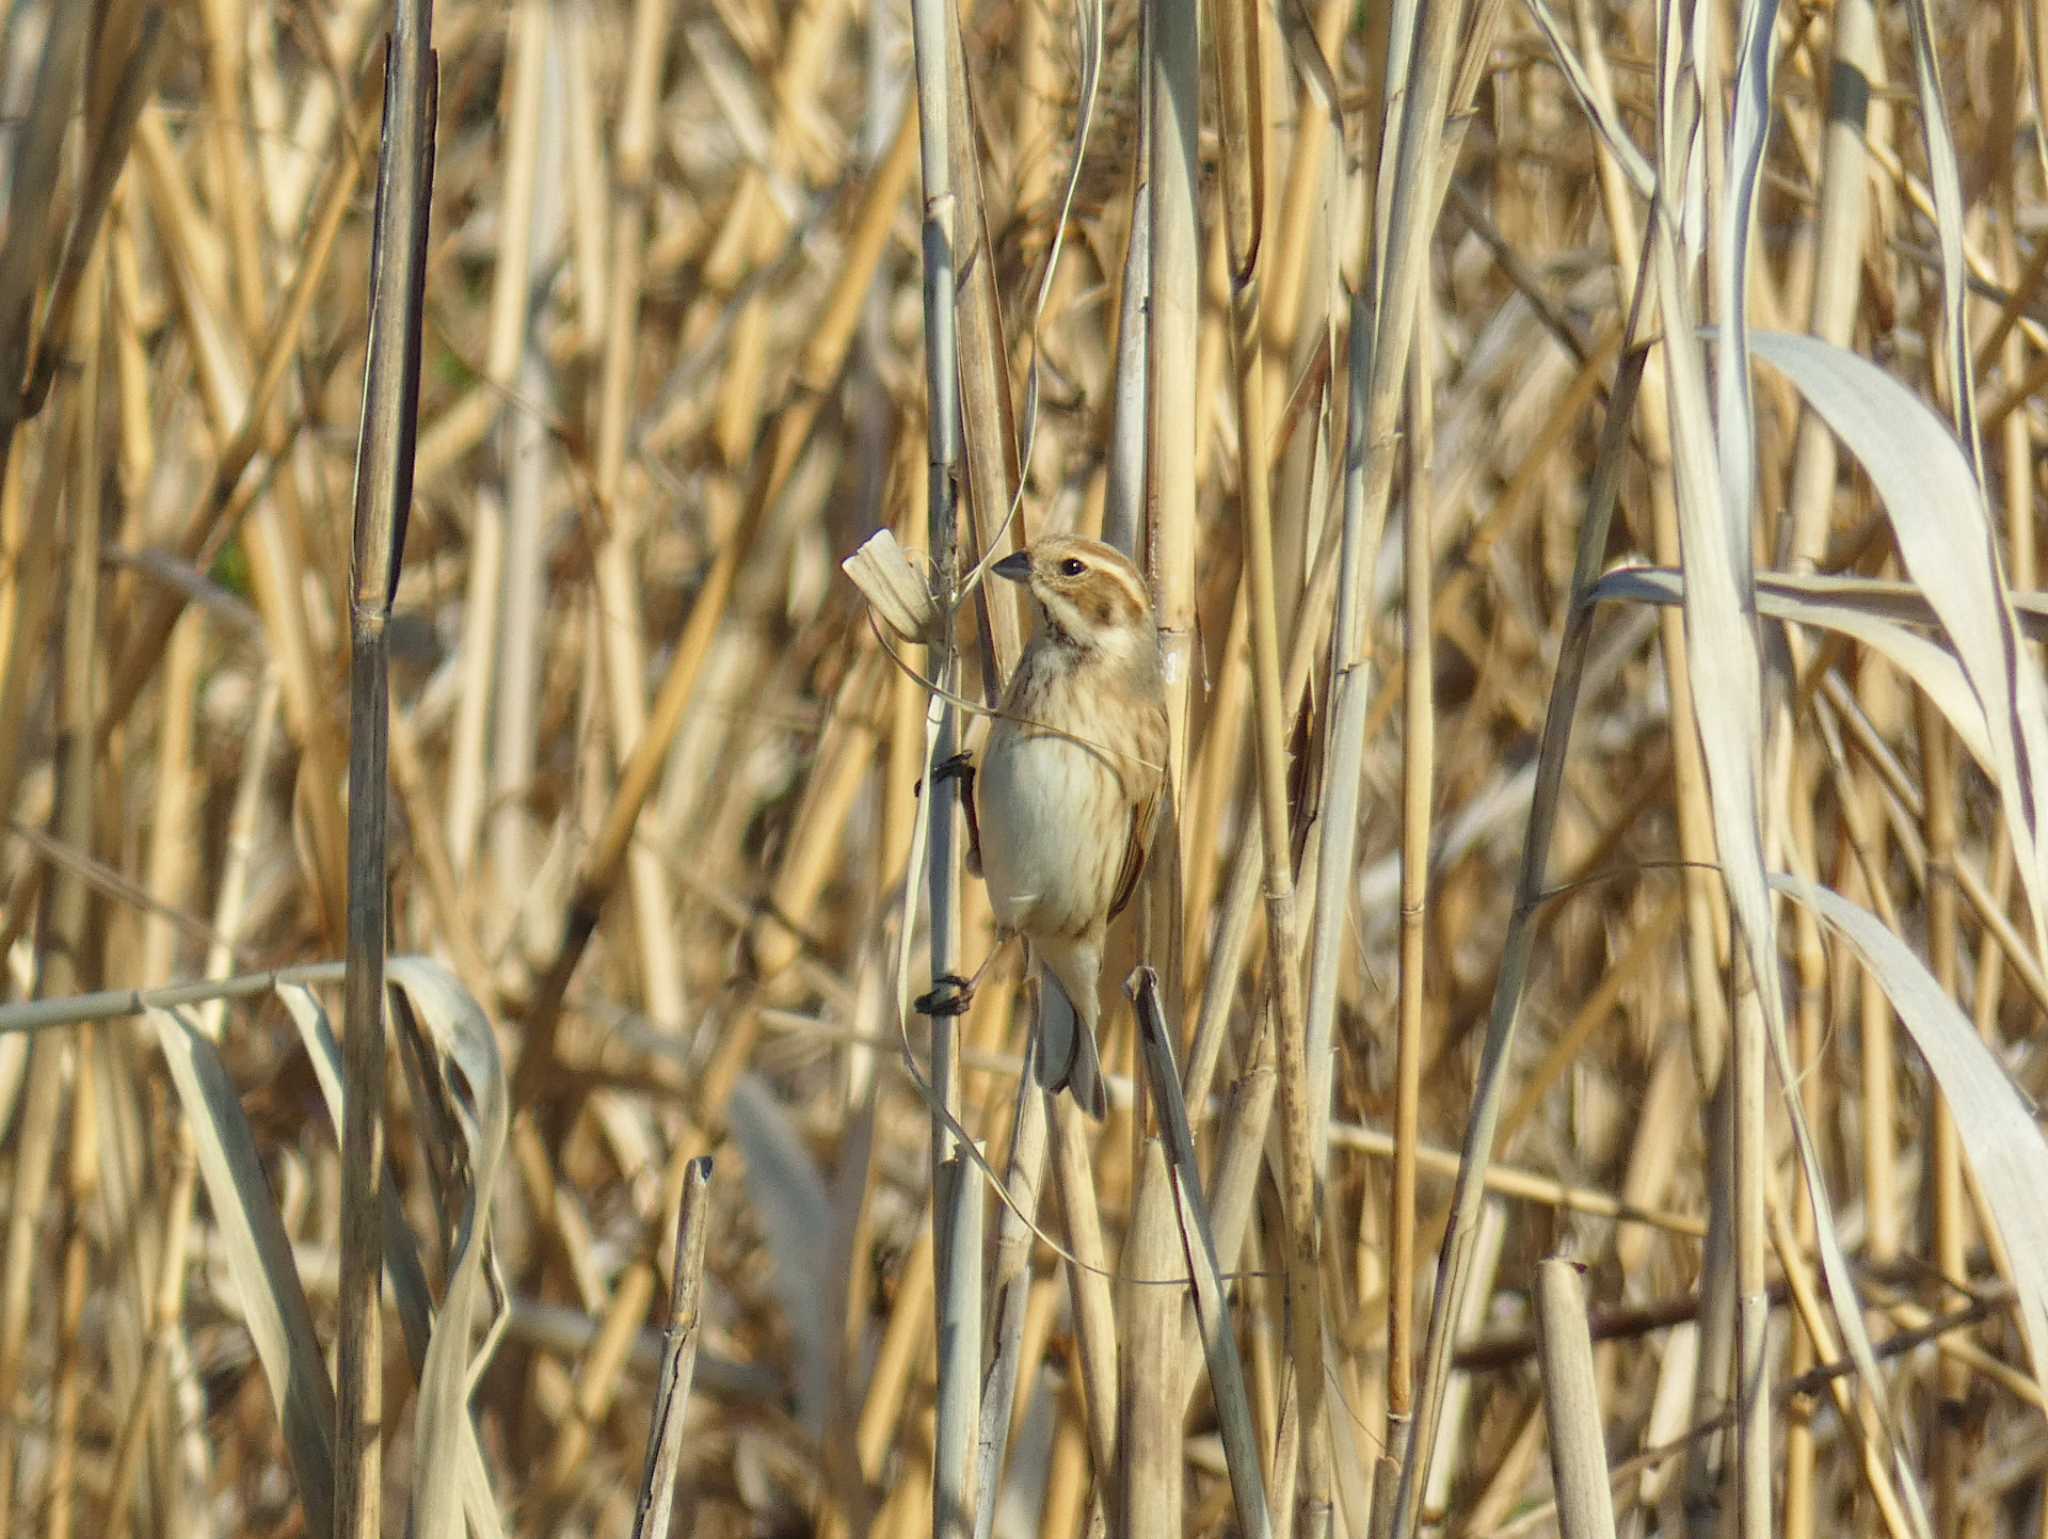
(674, 371)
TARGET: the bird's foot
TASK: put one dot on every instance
(959, 767)
(950, 995)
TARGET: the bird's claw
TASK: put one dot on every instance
(950, 995)
(959, 767)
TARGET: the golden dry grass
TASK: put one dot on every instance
(654, 772)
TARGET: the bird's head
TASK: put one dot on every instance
(1087, 594)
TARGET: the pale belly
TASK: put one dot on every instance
(1045, 804)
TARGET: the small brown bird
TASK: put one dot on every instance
(1068, 789)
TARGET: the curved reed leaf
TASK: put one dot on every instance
(2003, 1140)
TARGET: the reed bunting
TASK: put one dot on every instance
(1068, 789)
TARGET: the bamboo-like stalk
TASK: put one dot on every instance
(1239, 69)
(958, 1202)
(1350, 702)
(525, 451)
(959, 1299)
(384, 470)
(1088, 1280)
(1418, 786)
(1172, 106)
(1149, 1440)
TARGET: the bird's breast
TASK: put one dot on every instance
(1054, 823)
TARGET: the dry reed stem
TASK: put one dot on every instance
(384, 474)
(679, 1355)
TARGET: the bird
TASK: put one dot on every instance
(1068, 788)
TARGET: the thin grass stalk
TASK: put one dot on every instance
(1748, 1127)
(69, 945)
(73, 1280)
(1172, 96)
(1350, 708)
(1123, 503)
(525, 451)
(384, 468)
(1457, 1459)
(679, 1356)
(1838, 243)
(1571, 1403)
(115, 124)
(167, 1346)
(1239, 69)
(988, 419)
(1418, 781)
(1621, 172)
(620, 618)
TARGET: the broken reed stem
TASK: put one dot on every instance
(383, 498)
(679, 1355)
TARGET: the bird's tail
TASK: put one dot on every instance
(1067, 1059)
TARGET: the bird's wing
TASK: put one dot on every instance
(1144, 814)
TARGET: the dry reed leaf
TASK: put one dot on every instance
(1994, 1116)
(1791, 597)
(1944, 535)
(480, 1097)
(260, 1256)
(900, 598)
(446, 1438)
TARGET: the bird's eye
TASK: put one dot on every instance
(1073, 566)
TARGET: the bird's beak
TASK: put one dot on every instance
(1016, 566)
